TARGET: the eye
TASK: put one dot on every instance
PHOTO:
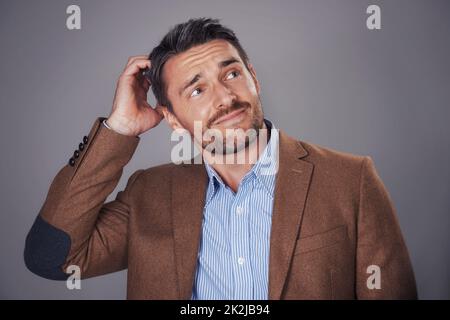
(196, 92)
(234, 74)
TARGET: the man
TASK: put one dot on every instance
(299, 222)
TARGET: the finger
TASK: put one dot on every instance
(145, 84)
(146, 74)
(134, 58)
(136, 66)
(144, 79)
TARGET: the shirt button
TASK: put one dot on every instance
(239, 210)
(241, 261)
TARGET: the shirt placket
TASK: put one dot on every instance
(239, 218)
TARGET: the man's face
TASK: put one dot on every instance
(209, 83)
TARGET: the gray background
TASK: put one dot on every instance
(325, 79)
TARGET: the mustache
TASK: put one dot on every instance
(223, 112)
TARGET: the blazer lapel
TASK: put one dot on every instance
(292, 184)
(187, 199)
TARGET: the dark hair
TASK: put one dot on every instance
(181, 38)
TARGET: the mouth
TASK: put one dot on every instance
(231, 117)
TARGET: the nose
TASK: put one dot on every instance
(224, 97)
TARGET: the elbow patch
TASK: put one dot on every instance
(46, 250)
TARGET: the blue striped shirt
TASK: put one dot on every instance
(233, 258)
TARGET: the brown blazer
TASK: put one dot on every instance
(332, 219)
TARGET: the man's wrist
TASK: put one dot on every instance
(116, 130)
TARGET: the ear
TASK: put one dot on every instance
(255, 79)
(171, 118)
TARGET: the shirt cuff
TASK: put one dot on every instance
(106, 124)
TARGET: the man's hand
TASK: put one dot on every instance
(131, 114)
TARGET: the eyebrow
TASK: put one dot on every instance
(197, 77)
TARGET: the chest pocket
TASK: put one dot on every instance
(321, 240)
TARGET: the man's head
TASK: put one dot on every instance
(200, 72)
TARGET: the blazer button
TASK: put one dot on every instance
(72, 161)
(85, 139)
(81, 146)
(76, 154)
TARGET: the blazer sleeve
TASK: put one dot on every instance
(380, 244)
(75, 226)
